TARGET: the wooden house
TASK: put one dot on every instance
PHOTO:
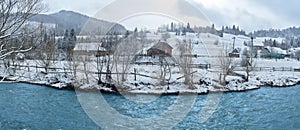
(258, 45)
(235, 53)
(160, 49)
(89, 49)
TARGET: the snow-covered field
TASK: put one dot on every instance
(144, 78)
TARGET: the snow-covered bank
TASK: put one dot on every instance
(153, 74)
(203, 86)
(203, 81)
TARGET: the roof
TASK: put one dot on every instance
(161, 45)
(88, 47)
(278, 50)
(258, 42)
(236, 50)
(266, 50)
(275, 50)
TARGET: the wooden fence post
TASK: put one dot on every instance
(135, 71)
(28, 67)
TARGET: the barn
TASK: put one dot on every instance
(160, 49)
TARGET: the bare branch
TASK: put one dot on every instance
(13, 15)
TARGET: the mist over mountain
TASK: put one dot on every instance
(81, 23)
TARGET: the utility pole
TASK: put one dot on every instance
(251, 53)
(233, 42)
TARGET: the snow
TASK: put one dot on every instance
(279, 39)
(233, 78)
(258, 42)
(206, 46)
(5, 36)
(34, 24)
(287, 63)
(228, 40)
(277, 50)
(88, 47)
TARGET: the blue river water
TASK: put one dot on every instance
(24, 106)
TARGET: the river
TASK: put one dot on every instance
(25, 106)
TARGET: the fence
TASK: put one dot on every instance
(267, 69)
(199, 66)
(55, 70)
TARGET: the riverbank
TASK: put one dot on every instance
(203, 81)
(204, 86)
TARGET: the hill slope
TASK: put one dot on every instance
(69, 19)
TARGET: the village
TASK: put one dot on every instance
(176, 60)
(149, 64)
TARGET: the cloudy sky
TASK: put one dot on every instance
(248, 14)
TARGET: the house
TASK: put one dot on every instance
(235, 53)
(272, 53)
(160, 49)
(265, 53)
(89, 49)
(257, 44)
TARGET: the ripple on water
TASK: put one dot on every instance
(34, 107)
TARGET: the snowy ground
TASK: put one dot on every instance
(147, 80)
(203, 80)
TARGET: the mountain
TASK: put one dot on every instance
(285, 33)
(81, 23)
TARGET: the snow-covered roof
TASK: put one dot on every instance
(297, 49)
(278, 50)
(37, 24)
(162, 45)
(258, 42)
(88, 47)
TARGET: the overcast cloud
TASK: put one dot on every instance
(87, 7)
(248, 14)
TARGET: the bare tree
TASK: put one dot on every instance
(100, 67)
(101, 59)
(70, 40)
(74, 64)
(109, 42)
(227, 64)
(165, 36)
(13, 15)
(46, 49)
(86, 60)
(165, 70)
(124, 55)
(297, 55)
(247, 62)
(184, 60)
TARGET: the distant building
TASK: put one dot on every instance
(258, 45)
(272, 53)
(89, 49)
(235, 53)
(160, 49)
